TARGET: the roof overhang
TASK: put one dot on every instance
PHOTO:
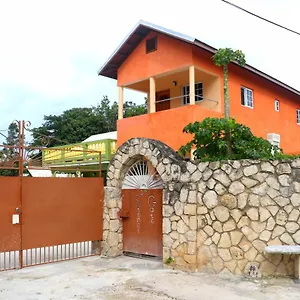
(137, 34)
(142, 29)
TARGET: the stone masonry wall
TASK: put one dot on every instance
(222, 215)
(112, 244)
(218, 216)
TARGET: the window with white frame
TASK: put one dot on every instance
(274, 139)
(298, 116)
(246, 97)
(276, 104)
(198, 93)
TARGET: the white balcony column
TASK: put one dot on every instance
(148, 102)
(192, 84)
(121, 100)
(152, 95)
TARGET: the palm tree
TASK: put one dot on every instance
(222, 58)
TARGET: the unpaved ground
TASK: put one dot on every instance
(127, 278)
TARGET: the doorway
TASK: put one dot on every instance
(142, 210)
(160, 96)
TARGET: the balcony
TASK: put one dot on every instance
(165, 126)
(81, 156)
(172, 104)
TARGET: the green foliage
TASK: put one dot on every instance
(77, 124)
(12, 135)
(169, 260)
(8, 154)
(72, 125)
(131, 109)
(224, 56)
(213, 136)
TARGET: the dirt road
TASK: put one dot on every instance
(126, 278)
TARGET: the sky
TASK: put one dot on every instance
(50, 51)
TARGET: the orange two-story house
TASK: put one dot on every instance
(183, 85)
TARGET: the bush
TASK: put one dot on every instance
(225, 139)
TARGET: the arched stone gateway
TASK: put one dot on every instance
(139, 164)
(216, 216)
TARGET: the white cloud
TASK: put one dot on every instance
(50, 51)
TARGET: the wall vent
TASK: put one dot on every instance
(151, 45)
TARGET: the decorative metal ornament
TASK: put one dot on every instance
(142, 175)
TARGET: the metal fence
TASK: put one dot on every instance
(45, 220)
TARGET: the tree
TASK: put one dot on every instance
(77, 124)
(109, 114)
(106, 115)
(222, 58)
(9, 154)
(131, 109)
(12, 135)
(210, 143)
(71, 126)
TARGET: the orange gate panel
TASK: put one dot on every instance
(59, 211)
(142, 221)
(9, 200)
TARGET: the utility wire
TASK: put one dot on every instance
(257, 16)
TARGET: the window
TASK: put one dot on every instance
(276, 103)
(298, 116)
(247, 97)
(151, 45)
(274, 139)
(198, 93)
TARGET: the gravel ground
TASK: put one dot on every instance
(131, 278)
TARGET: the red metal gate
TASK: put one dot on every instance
(10, 235)
(142, 221)
(60, 219)
(45, 220)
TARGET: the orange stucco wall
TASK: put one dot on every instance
(263, 118)
(170, 54)
(165, 126)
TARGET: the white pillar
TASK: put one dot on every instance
(121, 100)
(148, 103)
(152, 95)
(192, 84)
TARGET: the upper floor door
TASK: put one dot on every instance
(160, 104)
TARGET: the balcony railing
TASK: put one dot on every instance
(198, 99)
(201, 98)
(80, 153)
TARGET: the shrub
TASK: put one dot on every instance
(225, 139)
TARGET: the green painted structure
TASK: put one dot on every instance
(80, 156)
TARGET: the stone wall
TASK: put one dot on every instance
(240, 207)
(112, 244)
(218, 216)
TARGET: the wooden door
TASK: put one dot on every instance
(142, 221)
(164, 105)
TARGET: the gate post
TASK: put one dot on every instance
(112, 244)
